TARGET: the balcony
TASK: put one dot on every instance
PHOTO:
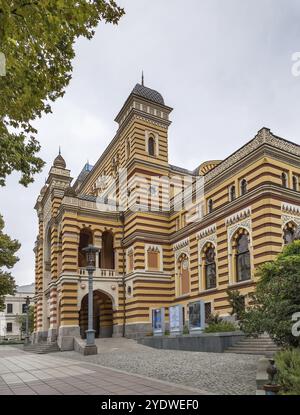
(99, 272)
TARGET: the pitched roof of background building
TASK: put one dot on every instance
(29, 288)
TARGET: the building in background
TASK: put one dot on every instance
(15, 306)
(154, 253)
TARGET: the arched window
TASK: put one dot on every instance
(284, 180)
(210, 268)
(232, 194)
(210, 205)
(85, 239)
(151, 146)
(243, 267)
(295, 183)
(244, 188)
(107, 251)
(289, 233)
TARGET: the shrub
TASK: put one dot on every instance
(185, 330)
(220, 327)
(288, 365)
(237, 303)
(276, 298)
(214, 319)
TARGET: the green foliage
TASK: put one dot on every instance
(276, 298)
(214, 319)
(22, 321)
(37, 39)
(237, 303)
(185, 329)
(219, 327)
(8, 248)
(288, 365)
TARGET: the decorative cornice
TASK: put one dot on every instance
(181, 244)
(289, 208)
(207, 231)
(236, 217)
(264, 136)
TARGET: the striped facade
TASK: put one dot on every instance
(156, 251)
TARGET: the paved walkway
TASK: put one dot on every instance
(218, 373)
(23, 373)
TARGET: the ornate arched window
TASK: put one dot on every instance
(289, 233)
(232, 194)
(284, 179)
(210, 270)
(242, 257)
(151, 146)
(295, 183)
(210, 205)
(244, 187)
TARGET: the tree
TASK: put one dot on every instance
(22, 321)
(276, 298)
(237, 303)
(37, 39)
(8, 248)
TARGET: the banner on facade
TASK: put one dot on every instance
(158, 321)
(196, 316)
(176, 319)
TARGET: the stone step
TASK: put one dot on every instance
(262, 345)
(256, 341)
(257, 352)
(255, 346)
(41, 348)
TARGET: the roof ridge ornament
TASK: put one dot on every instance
(143, 77)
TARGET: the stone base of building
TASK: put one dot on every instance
(52, 336)
(66, 335)
(39, 336)
(81, 347)
(133, 331)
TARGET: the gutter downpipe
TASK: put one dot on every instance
(122, 219)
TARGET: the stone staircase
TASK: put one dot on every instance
(41, 348)
(262, 345)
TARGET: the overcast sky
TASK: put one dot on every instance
(223, 65)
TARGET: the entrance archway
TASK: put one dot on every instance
(103, 315)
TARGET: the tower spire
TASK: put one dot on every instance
(59, 150)
(143, 77)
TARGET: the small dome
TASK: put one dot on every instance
(70, 192)
(59, 162)
(148, 93)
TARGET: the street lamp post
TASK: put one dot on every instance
(91, 252)
(27, 320)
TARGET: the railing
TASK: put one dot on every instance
(99, 272)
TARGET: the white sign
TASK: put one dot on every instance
(175, 317)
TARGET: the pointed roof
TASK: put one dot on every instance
(59, 162)
(150, 94)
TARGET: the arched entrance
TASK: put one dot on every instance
(103, 315)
